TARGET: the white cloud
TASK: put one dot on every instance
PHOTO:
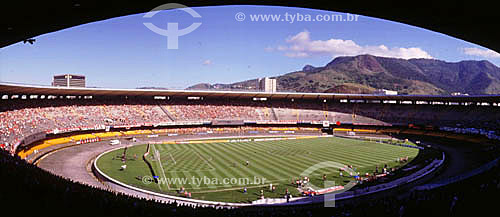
(207, 62)
(485, 53)
(269, 49)
(301, 45)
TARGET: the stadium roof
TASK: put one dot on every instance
(472, 21)
(24, 89)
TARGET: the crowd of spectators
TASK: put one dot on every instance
(485, 117)
(26, 117)
(230, 130)
(491, 134)
(17, 124)
(31, 191)
(212, 111)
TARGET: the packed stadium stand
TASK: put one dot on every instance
(20, 118)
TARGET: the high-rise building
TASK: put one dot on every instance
(267, 84)
(69, 80)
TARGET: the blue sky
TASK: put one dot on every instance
(123, 53)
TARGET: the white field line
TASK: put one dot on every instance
(172, 157)
(203, 159)
(161, 167)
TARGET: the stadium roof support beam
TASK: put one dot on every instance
(21, 89)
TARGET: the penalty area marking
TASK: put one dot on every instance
(187, 171)
(172, 157)
(161, 167)
(199, 155)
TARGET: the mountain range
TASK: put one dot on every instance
(366, 73)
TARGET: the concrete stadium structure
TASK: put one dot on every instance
(161, 112)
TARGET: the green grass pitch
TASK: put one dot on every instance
(278, 162)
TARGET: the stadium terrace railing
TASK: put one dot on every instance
(483, 168)
(435, 164)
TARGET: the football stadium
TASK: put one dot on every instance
(83, 151)
(225, 149)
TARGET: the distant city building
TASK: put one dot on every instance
(267, 84)
(68, 80)
(385, 92)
